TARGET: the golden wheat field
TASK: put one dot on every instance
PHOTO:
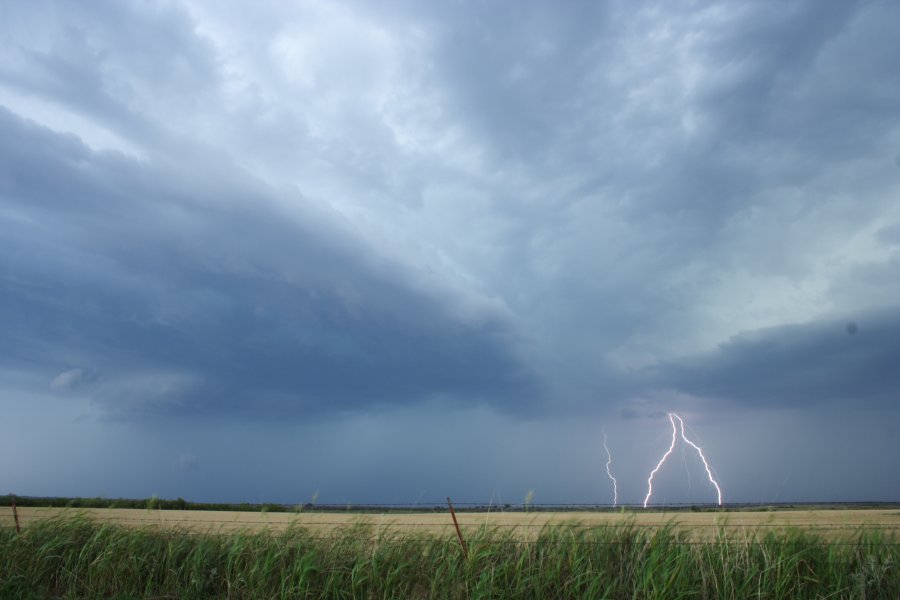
(831, 522)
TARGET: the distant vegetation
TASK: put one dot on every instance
(79, 558)
(154, 503)
(528, 505)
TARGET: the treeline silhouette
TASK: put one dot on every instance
(182, 504)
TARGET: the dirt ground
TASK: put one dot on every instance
(833, 523)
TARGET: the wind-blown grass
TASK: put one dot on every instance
(79, 558)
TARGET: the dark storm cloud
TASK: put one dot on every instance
(769, 98)
(785, 94)
(796, 77)
(628, 156)
(454, 232)
(215, 300)
(854, 363)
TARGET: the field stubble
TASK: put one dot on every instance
(700, 526)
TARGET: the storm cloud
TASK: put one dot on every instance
(819, 364)
(220, 300)
(376, 225)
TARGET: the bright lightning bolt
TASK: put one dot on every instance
(608, 472)
(661, 461)
(703, 458)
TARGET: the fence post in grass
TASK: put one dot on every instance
(16, 514)
(462, 542)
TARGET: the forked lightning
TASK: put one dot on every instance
(672, 417)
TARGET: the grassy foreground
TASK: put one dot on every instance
(79, 558)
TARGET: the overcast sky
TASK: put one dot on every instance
(395, 251)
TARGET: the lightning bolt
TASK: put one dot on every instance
(608, 472)
(672, 417)
(703, 458)
(661, 461)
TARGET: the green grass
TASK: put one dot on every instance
(77, 558)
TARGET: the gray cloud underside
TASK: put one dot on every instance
(854, 363)
(629, 185)
(217, 301)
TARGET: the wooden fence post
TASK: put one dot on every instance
(16, 514)
(462, 542)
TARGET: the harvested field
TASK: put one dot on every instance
(701, 525)
(140, 553)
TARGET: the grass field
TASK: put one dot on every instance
(121, 553)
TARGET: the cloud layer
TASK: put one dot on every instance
(823, 363)
(329, 212)
(220, 300)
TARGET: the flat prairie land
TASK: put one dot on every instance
(830, 523)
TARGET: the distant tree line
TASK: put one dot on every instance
(182, 504)
(151, 503)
